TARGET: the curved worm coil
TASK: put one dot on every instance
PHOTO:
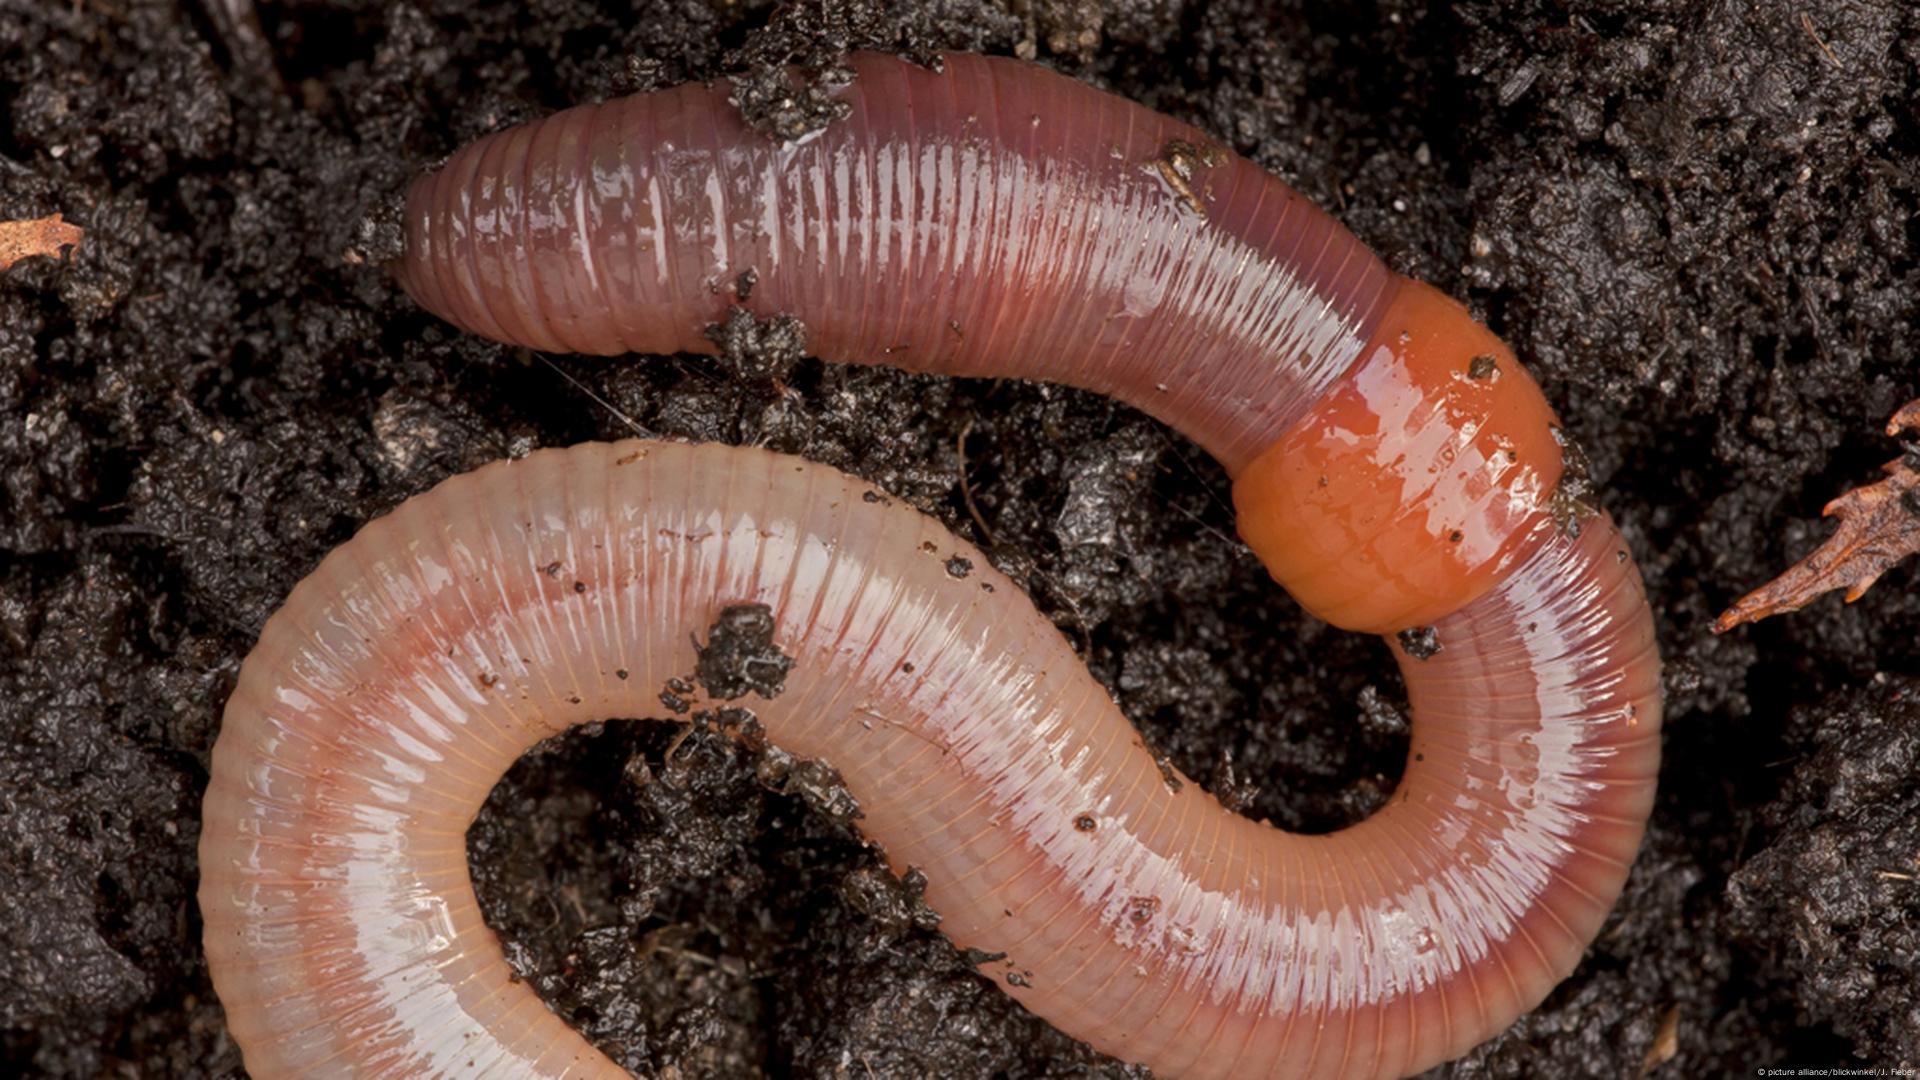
(1388, 464)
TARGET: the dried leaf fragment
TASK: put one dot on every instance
(1879, 526)
(39, 236)
(1666, 1042)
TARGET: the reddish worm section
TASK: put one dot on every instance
(995, 220)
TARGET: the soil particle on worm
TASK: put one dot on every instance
(758, 349)
(741, 657)
(1693, 221)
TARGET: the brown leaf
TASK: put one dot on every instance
(1879, 526)
(40, 236)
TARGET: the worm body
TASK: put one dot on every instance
(994, 220)
(1394, 468)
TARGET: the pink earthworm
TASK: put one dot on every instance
(1394, 467)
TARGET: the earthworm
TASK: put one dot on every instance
(1394, 467)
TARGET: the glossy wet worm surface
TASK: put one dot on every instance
(992, 220)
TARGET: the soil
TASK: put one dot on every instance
(1695, 220)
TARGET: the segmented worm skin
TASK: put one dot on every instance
(1394, 467)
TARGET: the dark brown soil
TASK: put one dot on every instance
(1696, 220)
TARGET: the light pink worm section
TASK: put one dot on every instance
(415, 665)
